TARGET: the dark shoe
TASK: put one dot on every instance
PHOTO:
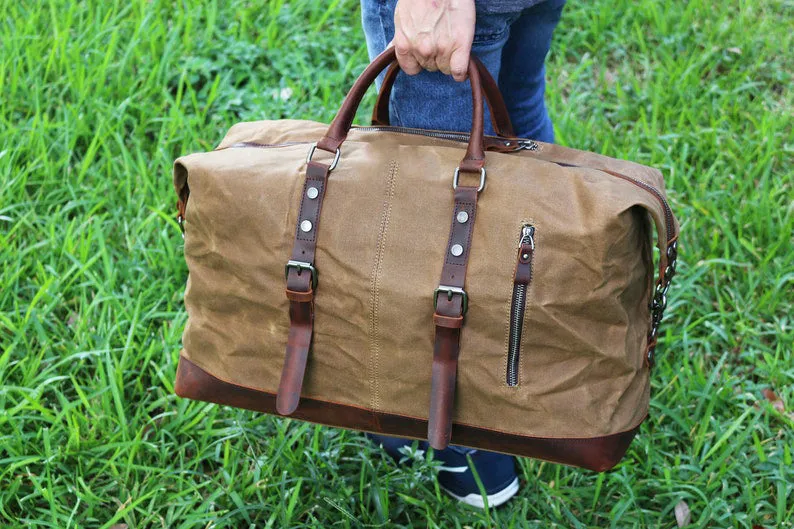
(497, 472)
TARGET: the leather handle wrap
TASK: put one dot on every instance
(500, 117)
(474, 159)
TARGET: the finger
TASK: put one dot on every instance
(443, 57)
(425, 53)
(429, 65)
(405, 58)
(459, 63)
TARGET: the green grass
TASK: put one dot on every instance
(98, 98)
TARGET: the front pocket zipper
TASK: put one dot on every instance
(521, 282)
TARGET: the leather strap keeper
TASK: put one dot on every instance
(445, 321)
(304, 297)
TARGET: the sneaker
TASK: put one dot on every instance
(497, 472)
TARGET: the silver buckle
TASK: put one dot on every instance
(449, 291)
(300, 266)
(456, 177)
(333, 164)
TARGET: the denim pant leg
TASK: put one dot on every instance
(433, 100)
(522, 76)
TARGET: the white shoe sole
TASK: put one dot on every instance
(494, 500)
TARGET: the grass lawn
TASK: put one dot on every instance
(98, 98)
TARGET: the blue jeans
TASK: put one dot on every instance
(513, 47)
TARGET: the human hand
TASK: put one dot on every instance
(434, 35)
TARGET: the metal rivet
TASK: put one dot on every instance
(312, 193)
(456, 250)
(306, 226)
(525, 256)
(463, 217)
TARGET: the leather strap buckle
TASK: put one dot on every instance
(450, 291)
(300, 266)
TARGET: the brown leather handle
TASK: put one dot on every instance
(473, 161)
(500, 117)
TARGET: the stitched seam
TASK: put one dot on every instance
(377, 268)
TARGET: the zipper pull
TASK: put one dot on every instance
(527, 145)
(526, 250)
(528, 235)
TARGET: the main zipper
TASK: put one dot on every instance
(246, 144)
(521, 281)
(521, 144)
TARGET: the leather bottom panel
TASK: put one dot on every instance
(596, 453)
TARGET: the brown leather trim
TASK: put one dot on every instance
(523, 274)
(299, 342)
(380, 113)
(500, 117)
(301, 282)
(449, 319)
(596, 453)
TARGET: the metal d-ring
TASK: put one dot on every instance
(456, 177)
(333, 164)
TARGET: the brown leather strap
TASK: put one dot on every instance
(340, 126)
(301, 283)
(474, 160)
(299, 341)
(380, 113)
(500, 117)
(451, 303)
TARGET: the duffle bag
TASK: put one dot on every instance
(487, 291)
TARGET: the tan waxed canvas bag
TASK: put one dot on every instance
(487, 291)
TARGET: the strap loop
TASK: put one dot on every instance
(456, 179)
(333, 164)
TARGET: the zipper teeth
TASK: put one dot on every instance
(524, 144)
(247, 144)
(454, 136)
(668, 213)
(516, 322)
